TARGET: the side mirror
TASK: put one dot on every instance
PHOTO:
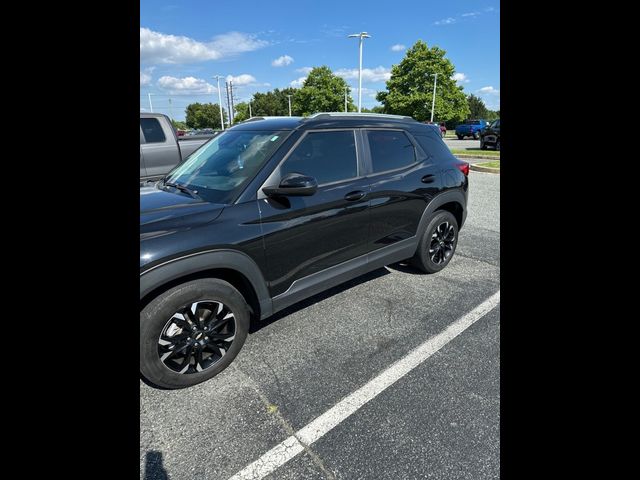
(293, 184)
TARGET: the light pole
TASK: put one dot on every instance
(170, 110)
(217, 77)
(289, 96)
(361, 35)
(150, 104)
(433, 102)
(345, 97)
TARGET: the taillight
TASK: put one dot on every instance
(464, 168)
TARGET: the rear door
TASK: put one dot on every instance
(403, 180)
(307, 235)
(160, 148)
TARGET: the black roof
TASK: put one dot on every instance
(323, 120)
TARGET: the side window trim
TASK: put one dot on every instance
(275, 174)
(416, 151)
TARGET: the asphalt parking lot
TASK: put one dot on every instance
(440, 420)
(468, 142)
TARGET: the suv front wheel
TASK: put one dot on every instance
(438, 243)
(192, 332)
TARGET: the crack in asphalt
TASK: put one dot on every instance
(286, 425)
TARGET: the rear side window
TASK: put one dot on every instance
(432, 145)
(390, 150)
(327, 156)
(152, 130)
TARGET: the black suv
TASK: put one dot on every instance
(490, 136)
(275, 210)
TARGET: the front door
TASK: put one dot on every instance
(305, 235)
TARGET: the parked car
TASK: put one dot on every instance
(160, 147)
(275, 210)
(470, 128)
(490, 136)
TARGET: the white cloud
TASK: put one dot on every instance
(145, 78)
(156, 47)
(445, 21)
(398, 47)
(282, 61)
(306, 70)
(366, 92)
(298, 82)
(244, 79)
(460, 77)
(377, 74)
(186, 85)
(489, 91)
(470, 14)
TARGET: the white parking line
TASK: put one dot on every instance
(293, 445)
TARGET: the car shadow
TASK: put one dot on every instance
(153, 467)
(380, 272)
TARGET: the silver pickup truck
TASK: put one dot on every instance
(160, 147)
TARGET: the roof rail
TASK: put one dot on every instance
(359, 114)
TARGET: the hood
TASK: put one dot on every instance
(162, 211)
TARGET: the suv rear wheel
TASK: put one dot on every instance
(192, 332)
(460, 137)
(438, 243)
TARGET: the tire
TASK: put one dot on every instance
(483, 146)
(422, 259)
(475, 136)
(460, 137)
(171, 316)
(498, 144)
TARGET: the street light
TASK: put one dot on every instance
(361, 36)
(433, 102)
(345, 97)
(150, 104)
(289, 96)
(217, 77)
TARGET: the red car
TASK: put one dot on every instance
(443, 128)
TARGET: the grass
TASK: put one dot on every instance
(471, 151)
(491, 164)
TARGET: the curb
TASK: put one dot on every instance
(478, 168)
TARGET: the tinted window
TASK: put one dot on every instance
(497, 124)
(152, 130)
(327, 156)
(432, 145)
(390, 150)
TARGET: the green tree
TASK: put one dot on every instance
(322, 91)
(273, 103)
(410, 88)
(477, 108)
(242, 112)
(178, 125)
(204, 115)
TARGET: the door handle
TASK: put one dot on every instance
(428, 178)
(353, 196)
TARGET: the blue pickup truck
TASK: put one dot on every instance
(470, 128)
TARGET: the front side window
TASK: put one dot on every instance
(152, 130)
(221, 168)
(327, 156)
(390, 150)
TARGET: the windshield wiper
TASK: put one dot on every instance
(182, 188)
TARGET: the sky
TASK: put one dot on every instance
(262, 45)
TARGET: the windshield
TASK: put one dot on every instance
(219, 170)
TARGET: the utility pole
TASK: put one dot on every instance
(233, 110)
(170, 110)
(228, 105)
(433, 102)
(250, 115)
(362, 36)
(150, 104)
(217, 77)
(289, 96)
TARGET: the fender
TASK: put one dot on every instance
(197, 262)
(439, 200)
